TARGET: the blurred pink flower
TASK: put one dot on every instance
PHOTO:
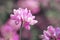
(25, 16)
(51, 33)
(14, 36)
(58, 33)
(1, 38)
(6, 30)
(8, 33)
(33, 5)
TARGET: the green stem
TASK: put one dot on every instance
(21, 30)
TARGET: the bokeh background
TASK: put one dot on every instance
(47, 13)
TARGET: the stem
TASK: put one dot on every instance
(21, 30)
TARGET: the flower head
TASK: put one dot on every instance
(8, 33)
(25, 16)
(51, 33)
(6, 30)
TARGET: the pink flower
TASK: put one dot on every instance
(8, 33)
(24, 16)
(51, 30)
(51, 33)
(58, 32)
(1, 38)
(14, 36)
(6, 30)
(46, 34)
(33, 5)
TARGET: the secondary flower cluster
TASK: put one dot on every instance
(8, 33)
(51, 33)
(20, 17)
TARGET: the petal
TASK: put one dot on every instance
(27, 27)
(32, 22)
(14, 11)
(26, 10)
(12, 17)
(51, 30)
(47, 33)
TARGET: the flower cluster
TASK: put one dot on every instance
(8, 33)
(51, 33)
(23, 16)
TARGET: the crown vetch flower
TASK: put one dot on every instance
(6, 30)
(25, 16)
(51, 33)
(8, 33)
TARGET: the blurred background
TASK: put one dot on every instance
(47, 13)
